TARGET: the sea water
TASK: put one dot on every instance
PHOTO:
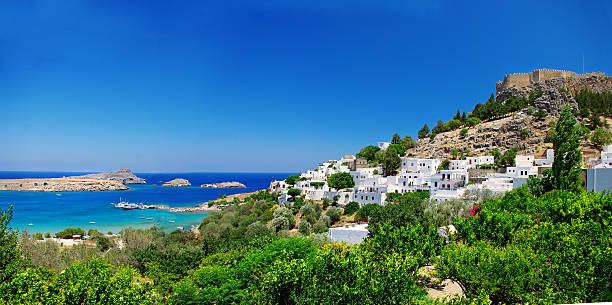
(52, 212)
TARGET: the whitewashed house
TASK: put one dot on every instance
(449, 180)
(550, 158)
(523, 161)
(458, 165)
(473, 162)
(278, 186)
(446, 195)
(424, 166)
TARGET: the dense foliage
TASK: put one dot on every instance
(341, 180)
(525, 249)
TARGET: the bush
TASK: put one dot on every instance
(367, 210)
(351, 208)
(304, 227)
(38, 236)
(334, 214)
(69, 232)
(601, 137)
(47, 235)
(464, 132)
(555, 242)
(325, 203)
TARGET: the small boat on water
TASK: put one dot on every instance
(128, 206)
(92, 222)
(171, 221)
(180, 228)
(58, 194)
(149, 218)
(142, 217)
(30, 224)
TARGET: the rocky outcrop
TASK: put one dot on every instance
(225, 185)
(60, 185)
(519, 130)
(123, 175)
(178, 182)
(556, 92)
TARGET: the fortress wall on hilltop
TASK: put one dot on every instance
(522, 80)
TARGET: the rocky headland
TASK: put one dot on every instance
(123, 175)
(178, 182)
(224, 185)
(60, 185)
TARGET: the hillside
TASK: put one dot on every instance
(521, 129)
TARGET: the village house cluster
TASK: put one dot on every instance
(416, 174)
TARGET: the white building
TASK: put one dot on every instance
(424, 166)
(606, 156)
(364, 197)
(278, 186)
(499, 183)
(522, 171)
(458, 165)
(449, 180)
(351, 234)
(550, 158)
(523, 161)
(446, 195)
(472, 162)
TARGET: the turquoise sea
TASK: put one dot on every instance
(52, 212)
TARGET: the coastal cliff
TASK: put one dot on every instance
(232, 184)
(122, 175)
(178, 182)
(60, 185)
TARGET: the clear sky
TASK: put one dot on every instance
(178, 86)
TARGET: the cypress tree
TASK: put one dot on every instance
(424, 132)
(568, 156)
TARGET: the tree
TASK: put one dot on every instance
(463, 117)
(566, 167)
(293, 193)
(438, 128)
(10, 256)
(457, 116)
(454, 152)
(408, 142)
(396, 139)
(368, 152)
(341, 180)
(601, 137)
(424, 131)
(397, 148)
(291, 180)
(444, 165)
(391, 162)
(351, 208)
(464, 132)
(472, 121)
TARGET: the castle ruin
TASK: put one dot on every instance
(522, 80)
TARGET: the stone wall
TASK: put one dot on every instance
(522, 80)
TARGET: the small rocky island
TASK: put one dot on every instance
(224, 185)
(178, 182)
(123, 175)
(61, 185)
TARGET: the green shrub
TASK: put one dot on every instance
(351, 208)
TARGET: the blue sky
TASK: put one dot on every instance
(177, 86)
